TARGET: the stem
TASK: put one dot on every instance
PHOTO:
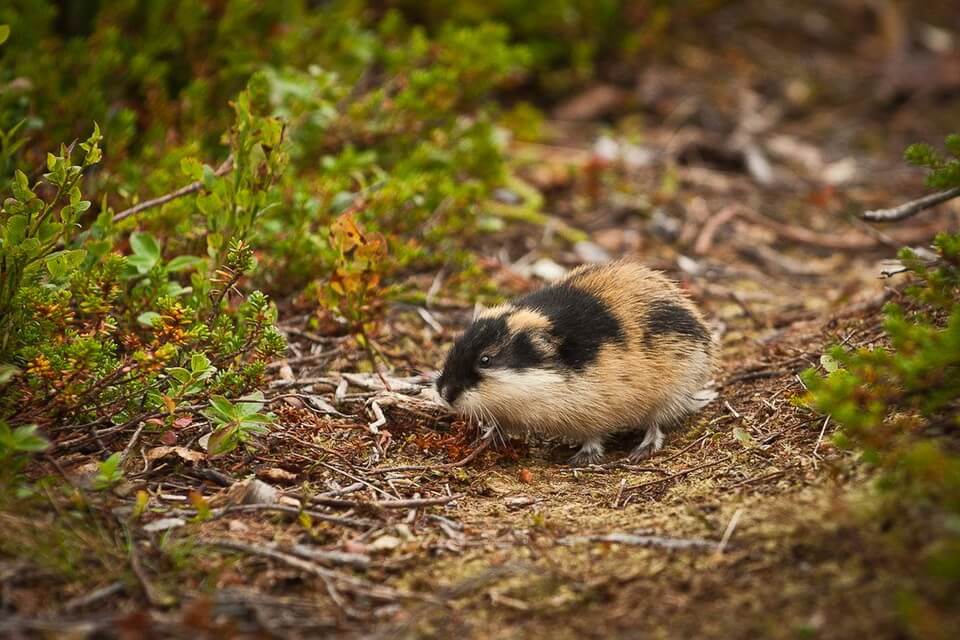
(911, 208)
(193, 187)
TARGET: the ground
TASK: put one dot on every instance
(738, 173)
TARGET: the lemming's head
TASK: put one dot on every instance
(496, 357)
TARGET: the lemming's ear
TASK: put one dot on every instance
(544, 341)
(478, 308)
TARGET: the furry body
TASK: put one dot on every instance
(608, 348)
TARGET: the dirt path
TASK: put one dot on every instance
(737, 530)
(742, 526)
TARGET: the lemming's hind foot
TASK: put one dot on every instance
(591, 452)
(652, 442)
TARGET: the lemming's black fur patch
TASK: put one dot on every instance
(665, 316)
(460, 370)
(521, 354)
(580, 320)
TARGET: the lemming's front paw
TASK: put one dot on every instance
(642, 452)
(589, 453)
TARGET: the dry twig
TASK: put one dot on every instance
(643, 541)
(678, 475)
(728, 532)
(912, 208)
(193, 187)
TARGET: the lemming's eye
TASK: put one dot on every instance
(484, 361)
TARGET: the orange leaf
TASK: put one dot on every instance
(347, 233)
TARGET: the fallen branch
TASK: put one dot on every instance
(768, 476)
(340, 503)
(323, 556)
(291, 510)
(416, 502)
(86, 599)
(273, 552)
(704, 240)
(847, 242)
(677, 475)
(911, 208)
(728, 532)
(643, 541)
(193, 187)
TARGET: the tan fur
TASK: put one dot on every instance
(643, 385)
(525, 319)
(493, 312)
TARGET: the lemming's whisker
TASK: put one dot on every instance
(490, 428)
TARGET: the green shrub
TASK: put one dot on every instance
(900, 404)
(116, 318)
(567, 38)
(98, 336)
(413, 156)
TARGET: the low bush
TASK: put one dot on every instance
(93, 333)
(899, 406)
(354, 138)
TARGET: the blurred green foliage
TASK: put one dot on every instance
(900, 406)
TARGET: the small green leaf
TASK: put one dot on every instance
(16, 230)
(148, 318)
(223, 440)
(141, 264)
(63, 263)
(209, 177)
(144, 244)
(21, 186)
(199, 363)
(209, 204)
(254, 424)
(109, 472)
(222, 408)
(7, 371)
(743, 437)
(183, 263)
(180, 374)
(49, 230)
(214, 240)
(27, 439)
(829, 363)
(4, 32)
(192, 168)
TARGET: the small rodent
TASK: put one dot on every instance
(608, 348)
